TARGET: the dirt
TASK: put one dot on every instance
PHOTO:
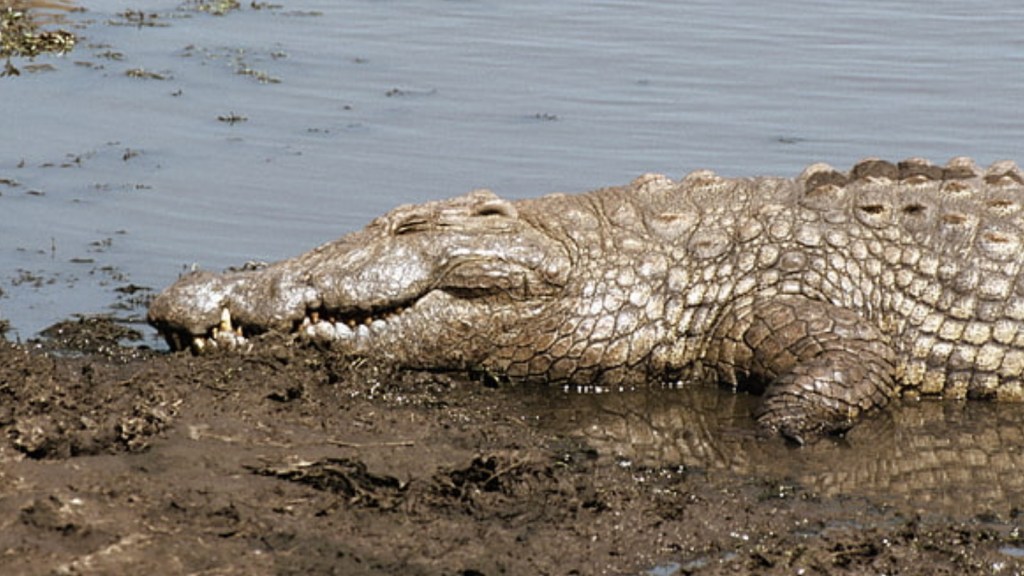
(294, 460)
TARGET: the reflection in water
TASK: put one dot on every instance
(942, 456)
(37, 4)
(42, 11)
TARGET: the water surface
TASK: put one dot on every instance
(120, 173)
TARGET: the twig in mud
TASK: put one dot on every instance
(392, 444)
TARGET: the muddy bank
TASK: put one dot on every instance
(292, 460)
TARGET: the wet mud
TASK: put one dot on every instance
(295, 460)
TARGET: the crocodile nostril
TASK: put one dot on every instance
(410, 225)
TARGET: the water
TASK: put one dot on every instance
(123, 182)
(1013, 551)
(929, 459)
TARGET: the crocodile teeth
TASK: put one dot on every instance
(224, 335)
(325, 324)
(341, 330)
(225, 320)
(324, 330)
(319, 324)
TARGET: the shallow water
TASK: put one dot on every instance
(117, 181)
(927, 458)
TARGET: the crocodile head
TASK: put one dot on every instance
(435, 284)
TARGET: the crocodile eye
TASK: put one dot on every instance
(496, 207)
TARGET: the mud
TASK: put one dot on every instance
(294, 460)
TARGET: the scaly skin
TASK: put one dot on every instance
(830, 293)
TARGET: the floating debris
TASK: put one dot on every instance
(146, 74)
(232, 118)
(215, 7)
(21, 36)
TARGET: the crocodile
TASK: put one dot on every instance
(828, 294)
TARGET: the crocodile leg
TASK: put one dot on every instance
(818, 365)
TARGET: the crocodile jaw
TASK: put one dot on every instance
(356, 332)
(412, 283)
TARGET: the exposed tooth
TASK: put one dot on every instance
(308, 328)
(351, 323)
(314, 317)
(367, 320)
(362, 331)
(323, 330)
(341, 330)
(305, 323)
(377, 325)
(198, 344)
(225, 320)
